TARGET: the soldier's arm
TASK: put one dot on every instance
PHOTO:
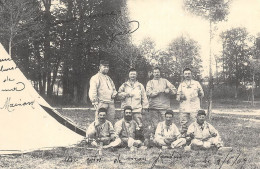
(118, 128)
(190, 133)
(145, 103)
(200, 91)
(93, 96)
(176, 133)
(121, 92)
(91, 131)
(114, 89)
(149, 90)
(132, 130)
(111, 131)
(213, 132)
(171, 87)
(158, 132)
(178, 93)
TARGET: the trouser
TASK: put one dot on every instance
(177, 143)
(137, 117)
(156, 116)
(185, 120)
(110, 111)
(130, 142)
(213, 141)
(106, 141)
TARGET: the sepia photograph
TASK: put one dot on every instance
(130, 84)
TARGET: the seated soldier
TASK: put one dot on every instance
(202, 134)
(126, 129)
(101, 131)
(167, 134)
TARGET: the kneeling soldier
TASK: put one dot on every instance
(101, 131)
(202, 134)
(167, 134)
(126, 128)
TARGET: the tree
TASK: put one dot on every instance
(214, 11)
(18, 21)
(186, 53)
(236, 52)
(255, 66)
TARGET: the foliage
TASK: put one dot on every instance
(212, 10)
(186, 53)
(19, 21)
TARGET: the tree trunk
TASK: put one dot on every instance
(47, 68)
(10, 47)
(236, 92)
(210, 75)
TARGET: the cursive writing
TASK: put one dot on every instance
(229, 160)
(11, 106)
(136, 159)
(19, 87)
(126, 31)
(8, 79)
(94, 160)
(3, 69)
(155, 161)
(6, 59)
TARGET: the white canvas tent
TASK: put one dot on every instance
(27, 121)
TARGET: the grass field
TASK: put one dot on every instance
(241, 134)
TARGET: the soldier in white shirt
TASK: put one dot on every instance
(202, 134)
(167, 134)
(189, 94)
(102, 91)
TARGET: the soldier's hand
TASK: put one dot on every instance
(155, 92)
(94, 143)
(113, 96)
(213, 134)
(145, 110)
(167, 91)
(95, 104)
(168, 140)
(127, 95)
(182, 97)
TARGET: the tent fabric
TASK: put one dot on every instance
(27, 121)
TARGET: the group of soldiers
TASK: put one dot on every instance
(147, 119)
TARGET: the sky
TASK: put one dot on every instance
(165, 20)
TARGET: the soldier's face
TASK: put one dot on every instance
(156, 73)
(168, 119)
(132, 75)
(201, 119)
(128, 115)
(104, 69)
(102, 117)
(187, 74)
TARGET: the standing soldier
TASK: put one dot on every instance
(188, 94)
(132, 93)
(158, 90)
(102, 91)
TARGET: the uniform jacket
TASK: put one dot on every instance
(101, 89)
(137, 99)
(158, 99)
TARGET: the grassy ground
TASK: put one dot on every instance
(217, 104)
(242, 135)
